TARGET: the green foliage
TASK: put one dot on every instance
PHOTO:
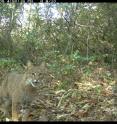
(61, 42)
(9, 64)
(63, 85)
(97, 89)
(87, 71)
(77, 57)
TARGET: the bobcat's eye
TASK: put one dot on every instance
(34, 74)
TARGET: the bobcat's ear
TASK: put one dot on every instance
(29, 65)
(43, 67)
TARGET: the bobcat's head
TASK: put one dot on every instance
(35, 74)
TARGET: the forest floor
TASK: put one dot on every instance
(88, 99)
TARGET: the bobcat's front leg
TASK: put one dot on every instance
(14, 112)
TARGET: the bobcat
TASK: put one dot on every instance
(19, 90)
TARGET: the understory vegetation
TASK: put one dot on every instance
(78, 43)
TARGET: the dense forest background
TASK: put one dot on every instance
(78, 43)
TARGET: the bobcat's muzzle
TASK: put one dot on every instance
(32, 82)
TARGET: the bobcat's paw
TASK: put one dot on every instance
(7, 119)
(15, 119)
